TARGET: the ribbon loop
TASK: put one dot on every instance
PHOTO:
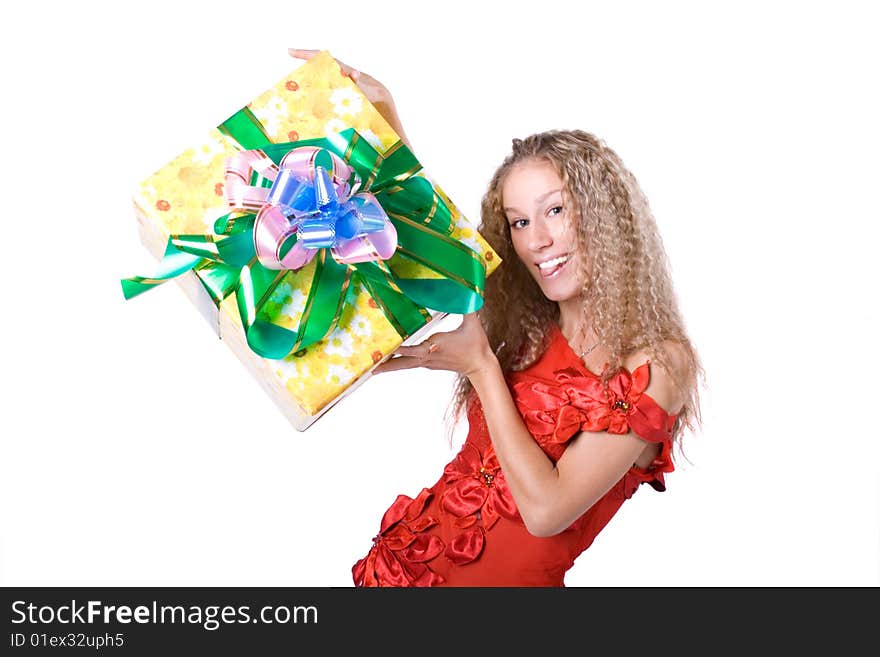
(326, 197)
(289, 192)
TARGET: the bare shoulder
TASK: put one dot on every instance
(667, 380)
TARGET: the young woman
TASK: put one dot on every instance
(577, 375)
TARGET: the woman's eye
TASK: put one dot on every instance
(519, 223)
(555, 210)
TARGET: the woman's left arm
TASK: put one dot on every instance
(549, 496)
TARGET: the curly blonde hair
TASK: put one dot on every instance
(627, 285)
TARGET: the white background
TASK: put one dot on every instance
(137, 450)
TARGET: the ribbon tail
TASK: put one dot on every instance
(219, 279)
(464, 274)
(443, 295)
(256, 284)
(328, 291)
(405, 316)
(237, 250)
(232, 223)
(183, 253)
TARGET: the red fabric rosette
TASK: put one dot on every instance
(400, 550)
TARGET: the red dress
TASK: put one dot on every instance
(466, 531)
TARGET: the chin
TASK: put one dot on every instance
(561, 296)
(560, 292)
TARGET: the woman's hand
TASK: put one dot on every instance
(376, 92)
(465, 350)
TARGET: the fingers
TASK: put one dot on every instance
(305, 53)
(409, 356)
(415, 351)
(398, 363)
(300, 53)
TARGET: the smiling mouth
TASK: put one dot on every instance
(551, 268)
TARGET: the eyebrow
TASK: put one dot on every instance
(540, 199)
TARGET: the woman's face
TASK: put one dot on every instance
(541, 228)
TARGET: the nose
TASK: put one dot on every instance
(539, 235)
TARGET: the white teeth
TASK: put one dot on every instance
(552, 263)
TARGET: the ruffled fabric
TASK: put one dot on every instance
(401, 547)
(576, 400)
(476, 491)
(654, 474)
(475, 484)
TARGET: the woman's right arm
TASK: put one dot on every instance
(376, 92)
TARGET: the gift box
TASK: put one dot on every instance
(310, 238)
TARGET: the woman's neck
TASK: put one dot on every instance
(571, 320)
